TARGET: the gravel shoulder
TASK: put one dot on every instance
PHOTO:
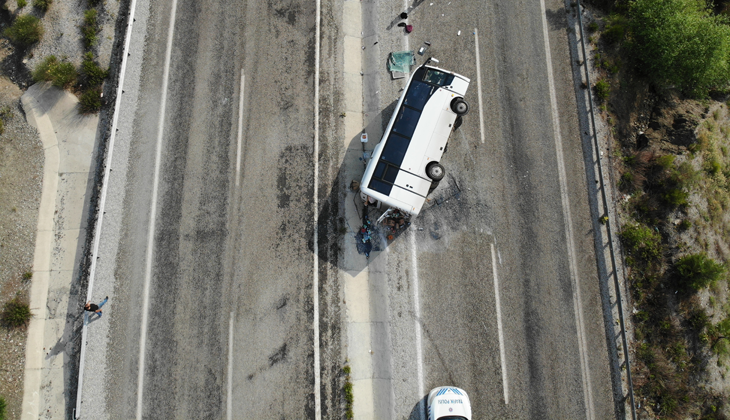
(62, 34)
(22, 160)
(21, 177)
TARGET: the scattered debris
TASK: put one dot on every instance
(399, 63)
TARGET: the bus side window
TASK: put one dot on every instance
(405, 123)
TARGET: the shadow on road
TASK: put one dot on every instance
(419, 410)
(342, 211)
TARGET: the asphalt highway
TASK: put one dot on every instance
(216, 194)
(502, 256)
(225, 220)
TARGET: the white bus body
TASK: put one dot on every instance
(405, 162)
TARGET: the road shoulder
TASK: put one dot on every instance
(68, 141)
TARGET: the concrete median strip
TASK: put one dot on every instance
(68, 142)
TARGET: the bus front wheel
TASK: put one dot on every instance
(459, 106)
(435, 171)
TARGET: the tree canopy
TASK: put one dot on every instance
(681, 43)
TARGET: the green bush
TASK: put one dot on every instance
(61, 74)
(699, 319)
(603, 89)
(641, 241)
(16, 313)
(676, 197)
(665, 161)
(641, 316)
(90, 28)
(645, 353)
(22, 4)
(90, 101)
(627, 181)
(713, 167)
(3, 407)
(25, 31)
(681, 43)
(42, 4)
(698, 270)
(93, 74)
(614, 33)
(593, 26)
(616, 28)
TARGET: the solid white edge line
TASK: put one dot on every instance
(240, 130)
(580, 327)
(502, 358)
(229, 388)
(152, 215)
(479, 85)
(315, 247)
(102, 197)
(417, 310)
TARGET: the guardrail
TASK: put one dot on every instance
(609, 233)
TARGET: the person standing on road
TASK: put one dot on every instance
(95, 308)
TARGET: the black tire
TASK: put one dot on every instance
(459, 106)
(435, 171)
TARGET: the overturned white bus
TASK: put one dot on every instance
(406, 161)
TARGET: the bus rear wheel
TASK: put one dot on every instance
(459, 106)
(435, 171)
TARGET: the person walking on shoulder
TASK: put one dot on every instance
(91, 307)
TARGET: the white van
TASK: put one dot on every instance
(448, 403)
(406, 161)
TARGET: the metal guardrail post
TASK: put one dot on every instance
(605, 212)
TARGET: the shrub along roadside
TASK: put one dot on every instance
(90, 28)
(603, 89)
(642, 242)
(698, 271)
(90, 101)
(25, 31)
(347, 390)
(42, 4)
(92, 77)
(61, 74)
(16, 313)
(92, 74)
